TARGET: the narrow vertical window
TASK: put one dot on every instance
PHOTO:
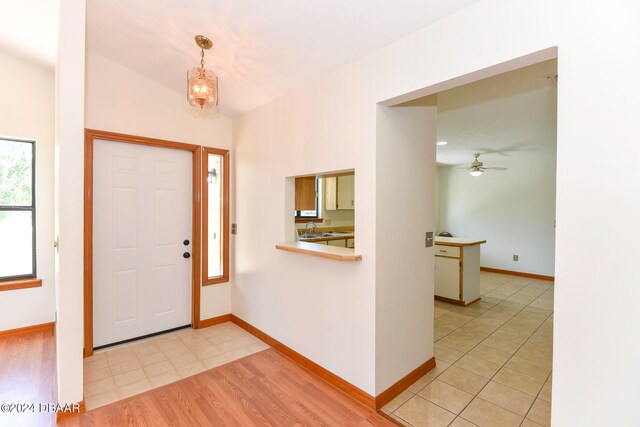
(215, 198)
(17, 209)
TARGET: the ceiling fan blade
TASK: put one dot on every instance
(496, 168)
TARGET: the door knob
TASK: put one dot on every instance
(186, 255)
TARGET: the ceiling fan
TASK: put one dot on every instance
(476, 168)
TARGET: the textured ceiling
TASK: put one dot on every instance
(29, 30)
(262, 48)
(512, 114)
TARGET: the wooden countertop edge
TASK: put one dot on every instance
(320, 252)
(479, 242)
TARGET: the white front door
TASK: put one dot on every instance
(142, 207)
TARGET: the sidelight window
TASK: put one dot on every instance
(215, 199)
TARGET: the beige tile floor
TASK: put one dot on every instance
(493, 360)
(122, 371)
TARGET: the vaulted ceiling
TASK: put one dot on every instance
(29, 30)
(262, 48)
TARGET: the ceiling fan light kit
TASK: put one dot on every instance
(477, 168)
(202, 84)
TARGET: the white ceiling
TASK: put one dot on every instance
(509, 115)
(29, 30)
(262, 48)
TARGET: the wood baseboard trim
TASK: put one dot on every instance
(339, 383)
(213, 321)
(28, 330)
(449, 300)
(475, 300)
(518, 273)
(389, 394)
(71, 412)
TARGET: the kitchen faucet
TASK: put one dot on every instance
(315, 229)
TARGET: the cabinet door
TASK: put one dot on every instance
(306, 193)
(341, 243)
(330, 193)
(345, 192)
(447, 277)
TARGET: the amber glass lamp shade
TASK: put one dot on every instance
(202, 87)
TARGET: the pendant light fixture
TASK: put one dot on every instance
(202, 84)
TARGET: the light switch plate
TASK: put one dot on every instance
(428, 239)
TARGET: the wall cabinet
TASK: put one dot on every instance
(306, 193)
(457, 270)
(339, 193)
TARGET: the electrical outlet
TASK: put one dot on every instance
(515, 257)
(428, 239)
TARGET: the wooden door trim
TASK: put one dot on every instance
(225, 217)
(90, 135)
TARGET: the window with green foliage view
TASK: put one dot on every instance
(17, 209)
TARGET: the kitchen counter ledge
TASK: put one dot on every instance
(456, 241)
(322, 251)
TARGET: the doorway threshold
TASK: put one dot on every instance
(140, 337)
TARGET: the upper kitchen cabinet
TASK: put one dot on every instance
(339, 192)
(306, 193)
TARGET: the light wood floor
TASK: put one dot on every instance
(264, 389)
(27, 372)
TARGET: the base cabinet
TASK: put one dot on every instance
(457, 273)
(448, 278)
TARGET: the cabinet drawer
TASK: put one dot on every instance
(448, 251)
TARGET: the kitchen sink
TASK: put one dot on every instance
(317, 236)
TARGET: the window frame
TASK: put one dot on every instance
(224, 278)
(31, 208)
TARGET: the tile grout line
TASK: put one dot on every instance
(536, 398)
(502, 365)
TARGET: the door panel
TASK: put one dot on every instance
(142, 213)
(447, 282)
(125, 212)
(125, 295)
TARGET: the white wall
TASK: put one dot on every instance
(405, 172)
(21, 117)
(121, 100)
(323, 309)
(326, 310)
(69, 191)
(513, 210)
